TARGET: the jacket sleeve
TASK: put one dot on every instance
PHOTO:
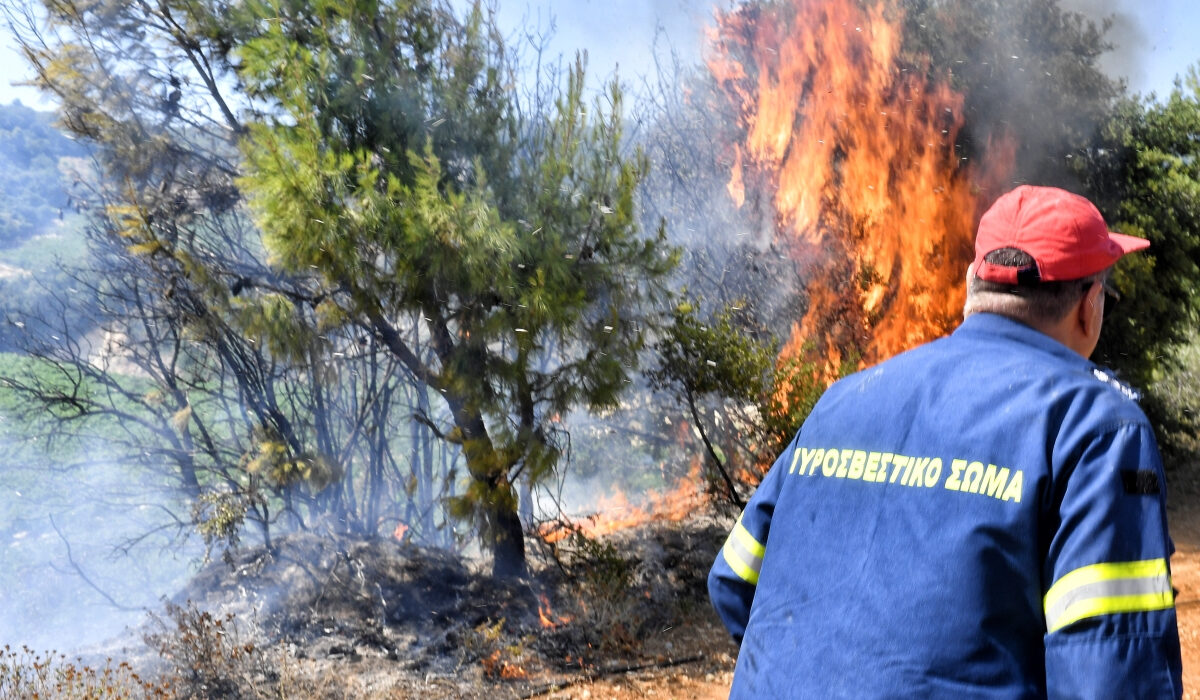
(1109, 607)
(734, 575)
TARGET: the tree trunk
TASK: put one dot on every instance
(507, 541)
(497, 503)
(525, 504)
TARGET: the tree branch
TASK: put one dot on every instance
(712, 452)
(86, 579)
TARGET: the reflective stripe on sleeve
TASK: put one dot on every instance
(743, 553)
(1104, 589)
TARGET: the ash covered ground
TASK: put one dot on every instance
(325, 616)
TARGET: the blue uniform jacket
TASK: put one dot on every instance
(980, 517)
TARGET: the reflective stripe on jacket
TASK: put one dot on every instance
(981, 517)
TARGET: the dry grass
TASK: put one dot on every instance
(25, 673)
(350, 619)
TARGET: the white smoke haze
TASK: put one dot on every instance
(1128, 35)
(625, 452)
(85, 551)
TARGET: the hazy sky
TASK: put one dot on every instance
(1156, 42)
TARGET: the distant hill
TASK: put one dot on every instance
(32, 193)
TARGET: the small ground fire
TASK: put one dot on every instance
(617, 511)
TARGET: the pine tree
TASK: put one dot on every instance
(441, 212)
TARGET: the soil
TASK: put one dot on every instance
(332, 617)
(1183, 512)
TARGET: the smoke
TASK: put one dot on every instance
(1129, 37)
(87, 549)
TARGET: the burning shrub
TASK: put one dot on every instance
(498, 655)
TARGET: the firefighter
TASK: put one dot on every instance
(980, 517)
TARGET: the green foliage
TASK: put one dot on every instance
(715, 357)
(234, 349)
(605, 603)
(746, 401)
(1145, 176)
(1178, 390)
(431, 232)
(600, 568)
(274, 321)
(444, 216)
(797, 385)
(219, 517)
(1145, 172)
(33, 197)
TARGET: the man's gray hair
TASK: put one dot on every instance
(1033, 303)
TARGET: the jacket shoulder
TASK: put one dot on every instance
(1108, 378)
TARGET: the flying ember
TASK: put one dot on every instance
(856, 148)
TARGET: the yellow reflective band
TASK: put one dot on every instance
(747, 541)
(743, 553)
(1105, 589)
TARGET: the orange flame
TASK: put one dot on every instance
(495, 666)
(400, 531)
(547, 617)
(859, 148)
(618, 512)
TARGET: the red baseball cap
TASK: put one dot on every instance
(1063, 232)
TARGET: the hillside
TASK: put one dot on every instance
(32, 192)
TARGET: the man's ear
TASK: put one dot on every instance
(1089, 313)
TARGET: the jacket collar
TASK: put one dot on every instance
(979, 325)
